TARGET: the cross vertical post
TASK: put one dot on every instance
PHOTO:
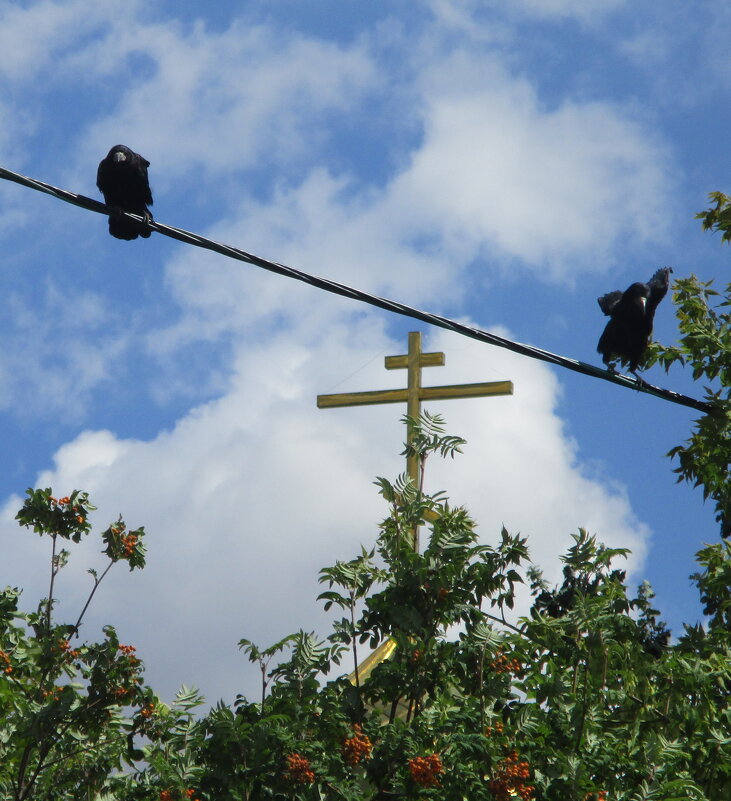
(413, 361)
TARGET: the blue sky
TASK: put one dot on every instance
(503, 164)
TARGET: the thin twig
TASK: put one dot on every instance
(97, 582)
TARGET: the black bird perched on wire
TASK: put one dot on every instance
(122, 179)
(631, 313)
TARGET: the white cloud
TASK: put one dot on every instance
(218, 102)
(554, 187)
(463, 15)
(58, 348)
(497, 178)
(568, 8)
(40, 34)
(249, 495)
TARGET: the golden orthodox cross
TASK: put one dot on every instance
(414, 393)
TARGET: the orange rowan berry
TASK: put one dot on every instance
(509, 778)
(147, 711)
(299, 769)
(129, 652)
(425, 770)
(357, 747)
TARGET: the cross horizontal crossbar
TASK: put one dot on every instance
(364, 297)
(479, 390)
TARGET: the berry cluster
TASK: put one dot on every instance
(298, 769)
(65, 647)
(425, 770)
(602, 795)
(501, 664)
(169, 795)
(129, 652)
(147, 711)
(129, 543)
(357, 747)
(64, 502)
(5, 659)
(509, 779)
(497, 728)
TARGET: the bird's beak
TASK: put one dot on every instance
(643, 301)
(119, 156)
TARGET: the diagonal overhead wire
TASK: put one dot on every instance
(365, 297)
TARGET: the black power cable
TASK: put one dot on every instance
(364, 297)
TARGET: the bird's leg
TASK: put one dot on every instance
(145, 229)
(640, 381)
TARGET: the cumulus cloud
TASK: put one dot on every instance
(465, 15)
(246, 496)
(57, 349)
(249, 495)
(553, 187)
(496, 179)
(216, 102)
(42, 33)
(568, 8)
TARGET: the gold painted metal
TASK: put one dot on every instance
(384, 651)
(413, 395)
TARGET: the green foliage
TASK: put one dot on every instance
(584, 697)
(717, 218)
(704, 322)
(62, 727)
(426, 436)
(65, 517)
(705, 346)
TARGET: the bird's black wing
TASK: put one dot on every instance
(141, 164)
(609, 301)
